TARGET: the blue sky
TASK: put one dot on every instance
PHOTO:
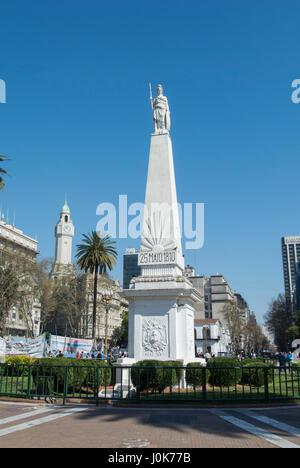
(77, 120)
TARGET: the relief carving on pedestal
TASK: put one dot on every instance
(155, 337)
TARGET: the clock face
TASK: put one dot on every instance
(67, 229)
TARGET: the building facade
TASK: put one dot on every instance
(296, 296)
(211, 337)
(290, 247)
(131, 269)
(216, 292)
(117, 307)
(15, 243)
(211, 332)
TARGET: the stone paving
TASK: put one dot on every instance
(41, 426)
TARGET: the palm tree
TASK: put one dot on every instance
(2, 171)
(96, 255)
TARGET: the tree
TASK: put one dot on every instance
(46, 285)
(2, 171)
(293, 332)
(96, 255)
(28, 285)
(32, 280)
(254, 338)
(235, 318)
(68, 303)
(120, 334)
(278, 319)
(9, 287)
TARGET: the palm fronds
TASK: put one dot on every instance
(2, 171)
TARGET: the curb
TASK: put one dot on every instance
(208, 406)
(118, 404)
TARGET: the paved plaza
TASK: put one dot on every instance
(40, 426)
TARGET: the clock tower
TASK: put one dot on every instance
(64, 233)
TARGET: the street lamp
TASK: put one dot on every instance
(107, 295)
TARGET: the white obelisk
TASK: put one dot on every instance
(161, 300)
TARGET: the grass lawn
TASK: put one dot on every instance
(284, 386)
(18, 387)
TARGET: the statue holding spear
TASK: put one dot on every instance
(161, 111)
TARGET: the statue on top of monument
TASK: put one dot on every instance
(161, 112)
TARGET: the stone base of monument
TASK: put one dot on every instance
(123, 385)
(161, 319)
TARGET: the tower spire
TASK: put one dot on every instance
(65, 208)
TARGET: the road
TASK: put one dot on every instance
(39, 426)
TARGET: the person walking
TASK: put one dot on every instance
(282, 360)
(290, 359)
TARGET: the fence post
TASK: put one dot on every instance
(29, 381)
(138, 383)
(266, 383)
(66, 384)
(204, 383)
(97, 385)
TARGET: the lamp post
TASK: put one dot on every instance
(107, 295)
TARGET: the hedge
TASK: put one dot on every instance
(179, 370)
(224, 371)
(19, 360)
(253, 374)
(154, 375)
(194, 374)
(50, 374)
(17, 366)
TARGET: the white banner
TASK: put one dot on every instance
(2, 350)
(34, 347)
(69, 346)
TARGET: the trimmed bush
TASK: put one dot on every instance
(82, 375)
(255, 362)
(19, 360)
(253, 373)
(154, 375)
(194, 373)
(17, 366)
(178, 370)
(224, 371)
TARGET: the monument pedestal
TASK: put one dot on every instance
(161, 319)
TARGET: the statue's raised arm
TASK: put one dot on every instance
(161, 112)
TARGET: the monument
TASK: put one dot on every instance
(161, 299)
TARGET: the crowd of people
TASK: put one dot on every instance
(240, 356)
(93, 355)
(283, 358)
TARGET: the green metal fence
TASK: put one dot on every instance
(54, 382)
(150, 384)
